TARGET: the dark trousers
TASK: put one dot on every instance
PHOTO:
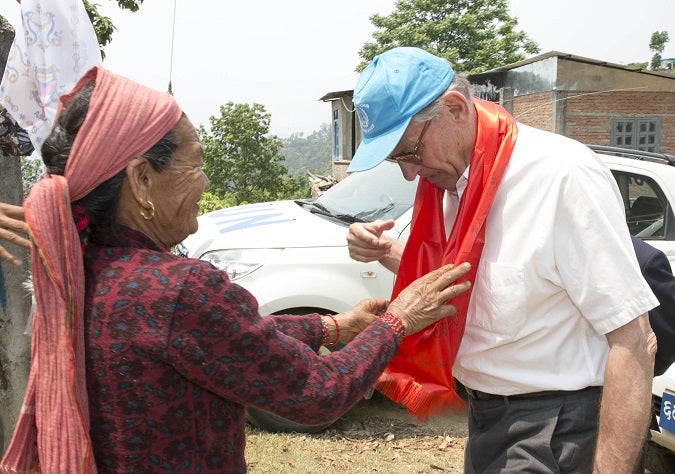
(552, 433)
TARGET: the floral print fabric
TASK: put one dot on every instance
(175, 351)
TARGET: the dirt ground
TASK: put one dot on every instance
(380, 416)
(375, 436)
(380, 419)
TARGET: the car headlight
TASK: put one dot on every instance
(240, 262)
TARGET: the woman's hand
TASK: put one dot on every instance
(356, 319)
(11, 224)
(423, 302)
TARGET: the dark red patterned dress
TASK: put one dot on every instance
(175, 351)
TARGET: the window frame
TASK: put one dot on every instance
(641, 129)
(624, 179)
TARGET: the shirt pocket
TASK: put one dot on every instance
(499, 299)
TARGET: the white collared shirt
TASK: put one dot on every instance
(451, 202)
(558, 272)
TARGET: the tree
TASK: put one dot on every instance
(657, 44)
(474, 35)
(210, 202)
(310, 153)
(638, 65)
(32, 170)
(103, 26)
(243, 161)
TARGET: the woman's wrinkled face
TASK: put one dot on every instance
(179, 189)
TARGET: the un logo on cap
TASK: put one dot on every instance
(362, 113)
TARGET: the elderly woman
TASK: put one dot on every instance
(173, 350)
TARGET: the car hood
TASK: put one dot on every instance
(278, 224)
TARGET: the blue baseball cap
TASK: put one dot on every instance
(391, 89)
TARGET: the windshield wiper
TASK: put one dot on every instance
(369, 216)
(320, 209)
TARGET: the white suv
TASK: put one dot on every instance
(292, 255)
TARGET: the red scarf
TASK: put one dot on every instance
(420, 377)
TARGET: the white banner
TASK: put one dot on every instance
(57, 46)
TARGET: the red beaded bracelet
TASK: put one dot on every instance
(324, 330)
(395, 323)
(337, 330)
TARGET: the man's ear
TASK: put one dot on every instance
(457, 105)
(139, 178)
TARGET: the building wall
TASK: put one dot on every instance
(579, 76)
(535, 110)
(586, 116)
(348, 134)
(589, 116)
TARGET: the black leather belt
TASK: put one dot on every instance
(478, 395)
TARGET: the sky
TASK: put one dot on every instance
(287, 54)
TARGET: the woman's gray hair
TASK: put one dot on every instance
(459, 83)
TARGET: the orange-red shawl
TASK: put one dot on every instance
(124, 120)
(420, 377)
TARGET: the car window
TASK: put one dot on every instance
(378, 193)
(648, 213)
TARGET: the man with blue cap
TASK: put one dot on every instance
(543, 343)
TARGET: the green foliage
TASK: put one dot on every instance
(243, 162)
(657, 43)
(210, 202)
(474, 35)
(131, 5)
(103, 26)
(310, 153)
(32, 170)
(638, 65)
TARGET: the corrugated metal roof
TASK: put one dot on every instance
(572, 57)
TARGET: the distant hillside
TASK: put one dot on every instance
(310, 153)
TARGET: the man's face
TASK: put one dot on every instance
(438, 150)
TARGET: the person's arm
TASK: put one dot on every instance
(219, 342)
(367, 243)
(342, 327)
(625, 409)
(657, 272)
(11, 225)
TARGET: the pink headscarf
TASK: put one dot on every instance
(124, 120)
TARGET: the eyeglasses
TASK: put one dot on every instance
(411, 156)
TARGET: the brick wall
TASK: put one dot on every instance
(535, 110)
(587, 116)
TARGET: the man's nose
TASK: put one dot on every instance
(410, 170)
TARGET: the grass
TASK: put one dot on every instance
(374, 437)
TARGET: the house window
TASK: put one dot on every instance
(636, 133)
(336, 134)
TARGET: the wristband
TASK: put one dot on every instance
(395, 323)
(325, 333)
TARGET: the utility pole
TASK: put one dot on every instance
(15, 302)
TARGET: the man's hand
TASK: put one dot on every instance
(367, 243)
(11, 224)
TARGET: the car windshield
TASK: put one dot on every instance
(378, 193)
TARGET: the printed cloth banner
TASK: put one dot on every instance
(57, 47)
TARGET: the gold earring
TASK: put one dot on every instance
(148, 214)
